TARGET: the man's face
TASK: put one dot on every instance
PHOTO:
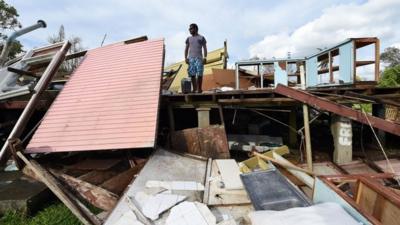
(192, 30)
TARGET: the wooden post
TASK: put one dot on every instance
(377, 59)
(83, 215)
(221, 115)
(306, 124)
(292, 123)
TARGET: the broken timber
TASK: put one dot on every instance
(327, 105)
(99, 197)
(78, 209)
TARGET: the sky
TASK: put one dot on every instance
(252, 28)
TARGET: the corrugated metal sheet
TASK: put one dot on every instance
(110, 102)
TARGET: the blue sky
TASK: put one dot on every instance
(252, 28)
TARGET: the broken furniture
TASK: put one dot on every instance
(339, 65)
(275, 71)
(362, 196)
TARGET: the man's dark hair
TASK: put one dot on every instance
(194, 26)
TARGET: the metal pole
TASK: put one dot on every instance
(306, 123)
(261, 76)
(237, 76)
(13, 36)
(40, 87)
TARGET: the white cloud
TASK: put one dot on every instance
(240, 22)
(373, 18)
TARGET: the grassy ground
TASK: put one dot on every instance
(55, 214)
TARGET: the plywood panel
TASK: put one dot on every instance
(230, 173)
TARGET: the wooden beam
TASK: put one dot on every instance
(253, 100)
(118, 183)
(377, 59)
(95, 195)
(83, 215)
(327, 105)
(283, 164)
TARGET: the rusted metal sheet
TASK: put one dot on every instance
(110, 102)
(208, 142)
(327, 105)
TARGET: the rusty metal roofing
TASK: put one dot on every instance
(110, 102)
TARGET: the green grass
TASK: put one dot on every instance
(56, 214)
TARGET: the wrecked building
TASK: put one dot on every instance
(271, 142)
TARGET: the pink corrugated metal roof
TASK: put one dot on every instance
(110, 102)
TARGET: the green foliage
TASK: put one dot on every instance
(391, 56)
(56, 214)
(390, 77)
(363, 107)
(8, 22)
(8, 16)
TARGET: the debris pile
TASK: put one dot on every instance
(115, 140)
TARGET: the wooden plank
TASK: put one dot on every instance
(230, 173)
(95, 195)
(377, 59)
(366, 198)
(97, 177)
(382, 164)
(94, 164)
(55, 187)
(255, 162)
(118, 183)
(221, 196)
(357, 167)
(207, 182)
(324, 168)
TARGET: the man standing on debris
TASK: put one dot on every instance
(194, 57)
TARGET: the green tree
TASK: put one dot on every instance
(76, 46)
(9, 22)
(390, 77)
(391, 55)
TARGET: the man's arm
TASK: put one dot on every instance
(186, 53)
(205, 53)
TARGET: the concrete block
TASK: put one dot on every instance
(342, 133)
(20, 193)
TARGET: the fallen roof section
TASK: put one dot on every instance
(110, 102)
(327, 105)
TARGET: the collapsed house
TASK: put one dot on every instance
(121, 137)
